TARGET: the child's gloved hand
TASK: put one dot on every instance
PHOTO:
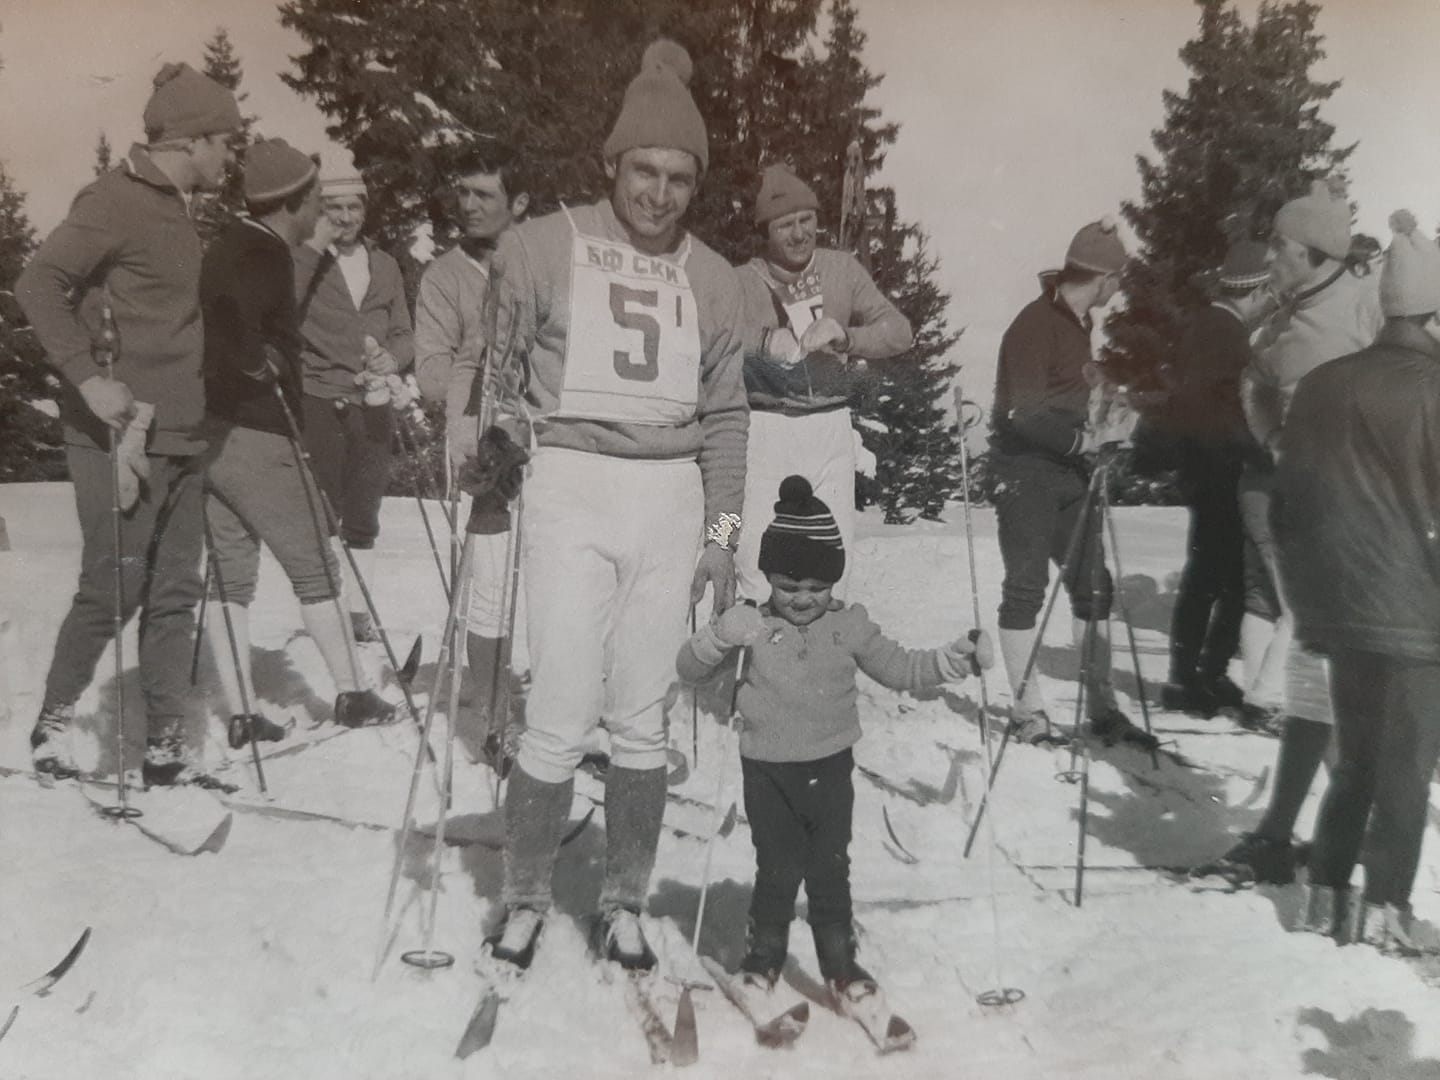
(739, 625)
(966, 656)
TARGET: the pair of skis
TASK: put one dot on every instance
(41, 986)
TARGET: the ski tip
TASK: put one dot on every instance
(9, 1019)
(578, 828)
(727, 826)
(899, 1035)
(216, 840)
(685, 1045)
(411, 666)
(481, 1028)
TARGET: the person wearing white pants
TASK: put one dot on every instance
(813, 316)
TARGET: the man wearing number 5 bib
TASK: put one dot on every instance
(810, 314)
(626, 328)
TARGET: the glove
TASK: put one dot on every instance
(498, 465)
(969, 655)
(109, 399)
(377, 391)
(780, 347)
(402, 394)
(825, 335)
(737, 626)
(378, 360)
(130, 452)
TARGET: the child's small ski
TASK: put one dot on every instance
(776, 1031)
(41, 986)
(864, 1002)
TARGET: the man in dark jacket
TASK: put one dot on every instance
(128, 249)
(1357, 516)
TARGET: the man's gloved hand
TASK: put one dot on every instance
(498, 464)
(825, 335)
(109, 399)
(378, 360)
(130, 452)
(781, 348)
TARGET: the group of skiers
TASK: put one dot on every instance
(638, 422)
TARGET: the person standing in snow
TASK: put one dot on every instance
(128, 248)
(256, 490)
(628, 330)
(797, 710)
(1357, 515)
(812, 317)
(449, 351)
(1211, 443)
(1042, 440)
(1326, 311)
(357, 342)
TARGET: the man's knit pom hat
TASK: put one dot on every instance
(658, 109)
(1410, 279)
(1320, 220)
(275, 169)
(1245, 266)
(339, 175)
(186, 104)
(803, 541)
(781, 193)
(1097, 247)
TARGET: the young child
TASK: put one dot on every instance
(797, 702)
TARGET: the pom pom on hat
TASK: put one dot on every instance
(1410, 279)
(1097, 247)
(339, 175)
(275, 169)
(781, 193)
(1320, 220)
(186, 104)
(803, 541)
(658, 109)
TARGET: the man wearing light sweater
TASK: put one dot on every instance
(449, 350)
(813, 316)
(625, 327)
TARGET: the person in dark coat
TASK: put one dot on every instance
(1211, 442)
(1357, 520)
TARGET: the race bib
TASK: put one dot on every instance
(633, 351)
(803, 302)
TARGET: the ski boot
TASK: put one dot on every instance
(50, 742)
(1034, 728)
(243, 727)
(619, 937)
(362, 708)
(515, 940)
(1266, 719)
(835, 948)
(767, 945)
(1254, 858)
(169, 764)
(1112, 726)
(1226, 694)
(1325, 911)
(1188, 696)
(1395, 931)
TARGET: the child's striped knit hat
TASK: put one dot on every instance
(803, 541)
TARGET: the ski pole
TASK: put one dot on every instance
(501, 696)
(410, 445)
(200, 626)
(999, 994)
(686, 1042)
(212, 564)
(694, 710)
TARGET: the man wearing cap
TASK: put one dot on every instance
(357, 342)
(1211, 443)
(449, 350)
(1042, 438)
(1356, 496)
(812, 315)
(256, 487)
(1325, 311)
(128, 246)
(627, 329)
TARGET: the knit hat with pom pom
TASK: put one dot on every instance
(1410, 280)
(781, 193)
(186, 104)
(1320, 220)
(803, 541)
(658, 109)
(1097, 247)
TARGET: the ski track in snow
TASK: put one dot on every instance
(257, 962)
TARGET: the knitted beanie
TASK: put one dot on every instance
(658, 109)
(186, 104)
(1410, 279)
(781, 193)
(275, 169)
(1097, 247)
(339, 175)
(1245, 266)
(1320, 220)
(803, 541)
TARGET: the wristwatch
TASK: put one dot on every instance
(724, 531)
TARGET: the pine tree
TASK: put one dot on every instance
(214, 210)
(1245, 136)
(103, 155)
(30, 449)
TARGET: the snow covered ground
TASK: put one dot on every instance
(257, 962)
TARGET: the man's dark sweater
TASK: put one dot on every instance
(1041, 396)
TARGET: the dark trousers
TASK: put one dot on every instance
(161, 542)
(800, 815)
(1210, 601)
(350, 450)
(1387, 727)
(1037, 505)
(1261, 561)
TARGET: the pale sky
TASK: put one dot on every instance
(1020, 120)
